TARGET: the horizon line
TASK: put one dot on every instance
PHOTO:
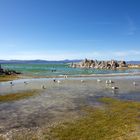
(62, 59)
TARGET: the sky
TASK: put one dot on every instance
(70, 29)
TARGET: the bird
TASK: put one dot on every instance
(109, 82)
(11, 83)
(134, 83)
(65, 76)
(58, 81)
(82, 81)
(43, 87)
(98, 80)
(114, 87)
(25, 82)
(54, 80)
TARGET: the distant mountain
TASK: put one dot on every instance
(36, 61)
(133, 62)
(49, 62)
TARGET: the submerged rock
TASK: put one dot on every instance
(7, 71)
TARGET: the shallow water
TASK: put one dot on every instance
(59, 69)
(59, 101)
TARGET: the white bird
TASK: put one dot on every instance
(110, 81)
(98, 80)
(134, 83)
(82, 81)
(107, 82)
(114, 88)
(43, 87)
(58, 81)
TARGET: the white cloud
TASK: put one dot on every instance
(127, 53)
(118, 55)
(61, 55)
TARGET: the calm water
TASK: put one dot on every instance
(59, 69)
(58, 101)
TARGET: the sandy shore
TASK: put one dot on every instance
(76, 76)
(60, 100)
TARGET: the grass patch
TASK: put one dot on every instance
(4, 78)
(119, 120)
(17, 96)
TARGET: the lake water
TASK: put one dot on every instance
(60, 69)
(59, 101)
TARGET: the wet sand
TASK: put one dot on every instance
(60, 101)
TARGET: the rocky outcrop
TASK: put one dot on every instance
(8, 72)
(134, 66)
(100, 64)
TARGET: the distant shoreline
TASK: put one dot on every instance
(64, 71)
(52, 61)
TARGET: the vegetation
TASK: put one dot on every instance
(4, 78)
(17, 96)
(119, 120)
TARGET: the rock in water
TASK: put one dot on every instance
(100, 64)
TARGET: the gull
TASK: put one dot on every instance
(58, 81)
(98, 80)
(109, 82)
(134, 83)
(82, 81)
(114, 87)
(65, 76)
(43, 87)
(25, 82)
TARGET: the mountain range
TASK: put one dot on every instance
(48, 62)
(35, 61)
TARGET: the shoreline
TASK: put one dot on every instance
(83, 75)
(5, 78)
(31, 77)
(58, 101)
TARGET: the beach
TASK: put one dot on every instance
(44, 96)
(60, 101)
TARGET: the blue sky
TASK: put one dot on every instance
(70, 29)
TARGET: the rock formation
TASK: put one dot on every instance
(7, 72)
(100, 64)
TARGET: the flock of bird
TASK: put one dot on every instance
(42, 86)
(109, 83)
